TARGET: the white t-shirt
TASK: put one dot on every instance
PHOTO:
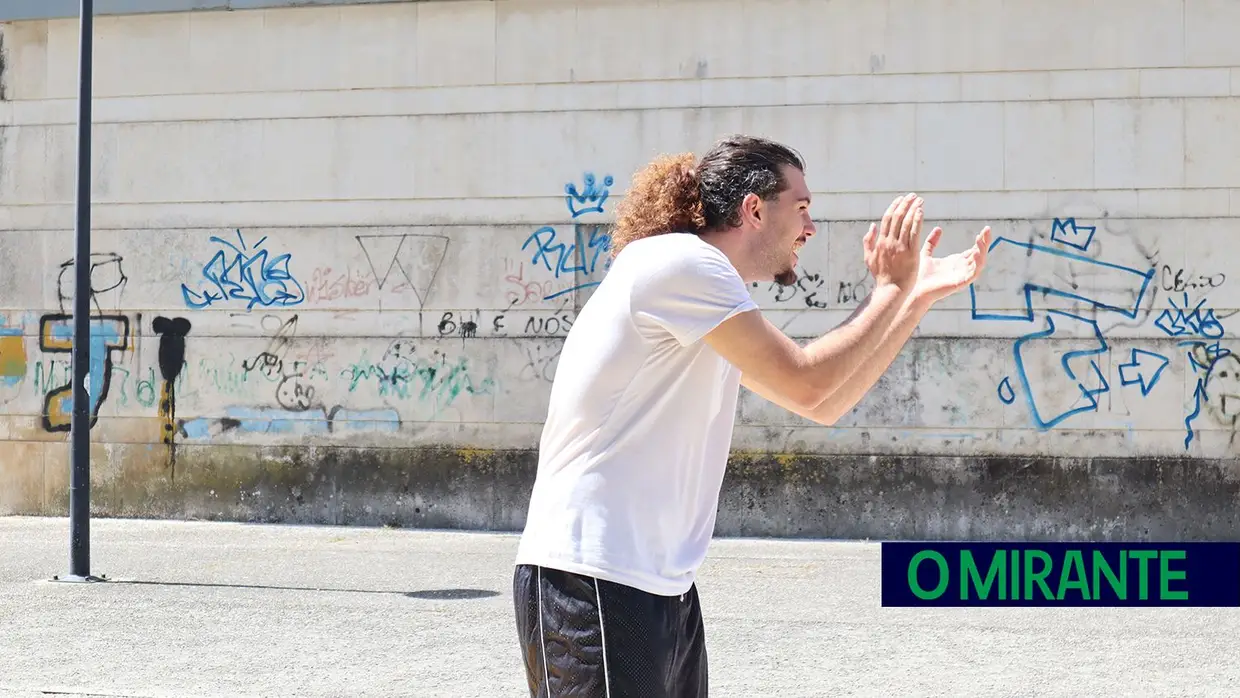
(639, 426)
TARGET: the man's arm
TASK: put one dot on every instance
(939, 278)
(805, 377)
(863, 378)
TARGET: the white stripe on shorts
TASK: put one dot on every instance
(602, 636)
(542, 639)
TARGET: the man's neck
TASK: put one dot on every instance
(733, 245)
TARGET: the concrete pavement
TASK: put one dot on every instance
(225, 609)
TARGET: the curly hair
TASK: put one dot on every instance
(678, 193)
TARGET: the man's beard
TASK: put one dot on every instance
(786, 277)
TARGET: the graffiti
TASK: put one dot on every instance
(144, 386)
(466, 327)
(107, 280)
(267, 420)
(1067, 232)
(1185, 322)
(402, 373)
(1006, 392)
(1220, 388)
(1143, 369)
(172, 334)
(1179, 280)
(806, 288)
(526, 291)
(1077, 389)
(244, 273)
(590, 199)
(1072, 341)
(567, 259)
(851, 293)
(588, 246)
(1119, 289)
(328, 285)
(107, 335)
(418, 258)
(292, 392)
(548, 325)
(542, 362)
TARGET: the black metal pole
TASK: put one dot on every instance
(79, 482)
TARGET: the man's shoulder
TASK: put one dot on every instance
(676, 252)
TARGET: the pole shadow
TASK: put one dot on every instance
(424, 594)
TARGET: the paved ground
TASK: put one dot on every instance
(211, 609)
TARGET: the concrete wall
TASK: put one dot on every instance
(338, 247)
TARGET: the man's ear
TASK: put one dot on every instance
(752, 209)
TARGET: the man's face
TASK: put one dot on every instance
(786, 226)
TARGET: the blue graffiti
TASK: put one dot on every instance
(272, 420)
(1199, 398)
(1126, 286)
(1144, 368)
(1046, 414)
(568, 259)
(1067, 232)
(588, 200)
(381, 420)
(245, 273)
(1202, 366)
(589, 246)
(1006, 392)
(1186, 322)
(107, 335)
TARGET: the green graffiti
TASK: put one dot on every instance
(409, 378)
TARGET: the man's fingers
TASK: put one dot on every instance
(898, 217)
(911, 223)
(932, 241)
(983, 243)
(887, 217)
(868, 240)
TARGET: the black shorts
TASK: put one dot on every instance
(582, 636)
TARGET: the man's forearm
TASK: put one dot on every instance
(843, 350)
(876, 363)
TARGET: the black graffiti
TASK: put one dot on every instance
(851, 292)
(1180, 280)
(452, 324)
(172, 333)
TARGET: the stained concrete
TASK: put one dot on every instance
(778, 495)
(221, 609)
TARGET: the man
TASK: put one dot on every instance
(642, 406)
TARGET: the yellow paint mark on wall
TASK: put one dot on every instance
(12, 359)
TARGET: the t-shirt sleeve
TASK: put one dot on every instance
(689, 295)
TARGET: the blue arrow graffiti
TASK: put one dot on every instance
(1144, 369)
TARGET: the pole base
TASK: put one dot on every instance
(76, 579)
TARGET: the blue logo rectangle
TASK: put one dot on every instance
(1060, 574)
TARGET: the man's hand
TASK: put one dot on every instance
(891, 248)
(939, 277)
